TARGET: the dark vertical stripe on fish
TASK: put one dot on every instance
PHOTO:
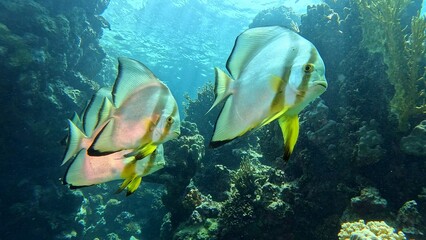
(159, 92)
(168, 125)
(150, 163)
(303, 87)
(117, 80)
(278, 102)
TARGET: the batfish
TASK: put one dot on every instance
(145, 114)
(275, 74)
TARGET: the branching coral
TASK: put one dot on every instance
(383, 33)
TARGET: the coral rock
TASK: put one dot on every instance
(415, 143)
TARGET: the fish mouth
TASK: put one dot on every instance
(176, 133)
(322, 84)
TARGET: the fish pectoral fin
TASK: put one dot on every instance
(142, 152)
(75, 136)
(102, 144)
(290, 130)
(222, 88)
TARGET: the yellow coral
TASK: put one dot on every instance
(371, 230)
(383, 33)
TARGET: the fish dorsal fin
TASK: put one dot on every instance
(97, 110)
(248, 44)
(222, 88)
(131, 75)
(77, 121)
(75, 136)
(104, 112)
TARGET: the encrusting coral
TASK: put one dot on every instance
(373, 230)
(383, 33)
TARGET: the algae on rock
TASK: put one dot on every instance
(383, 33)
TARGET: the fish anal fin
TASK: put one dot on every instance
(290, 130)
(222, 88)
(216, 144)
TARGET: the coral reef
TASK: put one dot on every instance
(347, 142)
(403, 56)
(51, 58)
(369, 150)
(410, 219)
(278, 16)
(368, 202)
(182, 161)
(415, 143)
(373, 230)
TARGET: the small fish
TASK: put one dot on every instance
(275, 74)
(145, 114)
(86, 170)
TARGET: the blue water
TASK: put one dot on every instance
(182, 40)
(349, 163)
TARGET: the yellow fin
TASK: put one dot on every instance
(128, 174)
(124, 185)
(133, 185)
(142, 152)
(290, 130)
(222, 87)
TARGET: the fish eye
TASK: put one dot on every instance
(308, 68)
(170, 120)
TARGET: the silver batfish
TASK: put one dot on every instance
(275, 74)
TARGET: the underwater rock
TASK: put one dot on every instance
(321, 26)
(183, 156)
(256, 206)
(320, 130)
(215, 181)
(410, 220)
(14, 49)
(277, 16)
(369, 201)
(415, 143)
(369, 150)
(373, 230)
